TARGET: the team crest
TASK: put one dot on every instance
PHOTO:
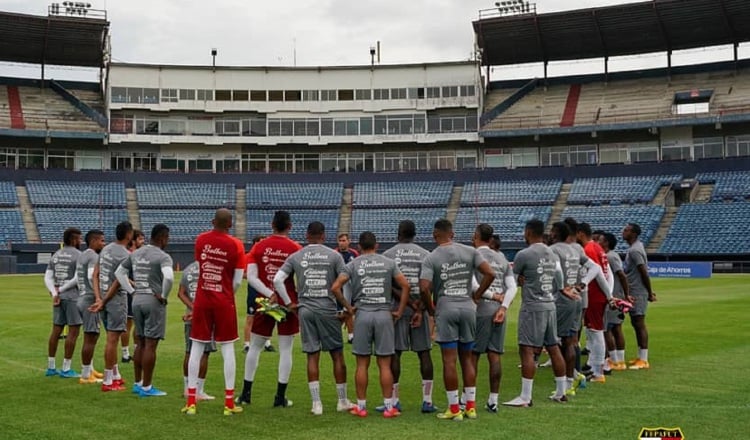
(661, 434)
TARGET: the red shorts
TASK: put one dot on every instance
(594, 316)
(263, 325)
(214, 319)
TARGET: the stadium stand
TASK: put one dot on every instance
(51, 222)
(76, 194)
(384, 222)
(508, 221)
(394, 194)
(288, 195)
(184, 224)
(728, 185)
(44, 109)
(510, 192)
(614, 218)
(629, 189)
(259, 222)
(709, 228)
(12, 230)
(185, 195)
(8, 195)
(4, 108)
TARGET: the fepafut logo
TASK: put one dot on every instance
(661, 434)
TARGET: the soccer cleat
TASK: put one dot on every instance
(232, 411)
(204, 396)
(619, 366)
(450, 415)
(188, 410)
(112, 387)
(558, 399)
(471, 413)
(126, 359)
(281, 401)
(640, 365)
(69, 374)
(519, 402)
(428, 408)
(153, 392)
(359, 412)
(391, 413)
(344, 405)
(381, 408)
(242, 400)
(598, 379)
(269, 348)
(51, 372)
(579, 383)
(491, 407)
(120, 382)
(91, 379)
(633, 361)
(136, 389)
(546, 364)
(317, 409)
(97, 374)
(570, 392)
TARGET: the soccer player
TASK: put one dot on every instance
(221, 261)
(114, 302)
(636, 269)
(86, 272)
(490, 339)
(613, 335)
(315, 268)
(135, 243)
(62, 285)
(372, 277)
(412, 330)
(153, 277)
(349, 254)
(599, 296)
(186, 293)
(537, 319)
(447, 273)
(572, 241)
(251, 295)
(266, 257)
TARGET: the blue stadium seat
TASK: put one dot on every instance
(76, 194)
(731, 185)
(51, 222)
(406, 194)
(185, 195)
(8, 196)
(508, 221)
(614, 218)
(184, 224)
(384, 222)
(12, 230)
(294, 195)
(259, 222)
(627, 189)
(512, 192)
(709, 228)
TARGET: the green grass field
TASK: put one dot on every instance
(699, 381)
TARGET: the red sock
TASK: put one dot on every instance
(229, 398)
(191, 396)
(470, 404)
(455, 408)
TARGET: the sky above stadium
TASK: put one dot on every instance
(319, 32)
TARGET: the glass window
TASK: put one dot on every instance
(339, 128)
(257, 127)
(433, 92)
(450, 91)
(275, 95)
(381, 125)
(287, 127)
(223, 95)
(150, 96)
(365, 126)
(497, 158)
(675, 151)
(466, 160)
(205, 95)
(201, 165)
(253, 163)
(444, 160)
(326, 127)
(738, 146)
(187, 95)
(419, 124)
(28, 158)
(274, 127)
(468, 90)
(61, 159)
(398, 93)
(471, 123)
(119, 94)
(310, 95)
(172, 165)
(555, 156)
(172, 127)
(306, 163)
(257, 95)
(363, 94)
(228, 127)
(415, 92)
(281, 163)
(313, 127)
(144, 161)
(583, 155)
(381, 94)
(169, 95)
(525, 157)
(135, 95)
(300, 127)
(328, 95)
(202, 126)
(228, 166)
(240, 95)
(708, 148)
(333, 162)
(147, 126)
(644, 151)
(346, 95)
(292, 95)
(613, 153)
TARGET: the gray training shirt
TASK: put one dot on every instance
(371, 277)
(63, 265)
(498, 263)
(409, 258)
(451, 267)
(145, 264)
(189, 280)
(87, 260)
(316, 267)
(615, 263)
(110, 258)
(635, 256)
(538, 265)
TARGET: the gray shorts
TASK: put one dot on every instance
(612, 318)
(456, 322)
(67, 313)
(149, 316)
(537, 328)
(319, 331)
(490, 336)
(373, 327)
(640, 305)
(568, 317)
(209, 348)
(115, 314)
(90, 320)
(414, 339)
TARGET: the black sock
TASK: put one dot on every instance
(247, 388)
(578, 358)
(281, 390)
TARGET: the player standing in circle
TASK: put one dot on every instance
(266, 257)
(315, 268)
(86, 272)
(153, 277)
(371, 277)
(490, 338)
(537, 319)
(62, 285)
(220, 259)
(349, 254)
(614, 336)
(447, 274)
(135, 243)
(113, 306)
(636, 269)
(412, 330)
(252, 294)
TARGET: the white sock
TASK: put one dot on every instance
(362, 404)
(315, 391)
(569, 382)
(253, 356)
(51, 363)
(148, 388)
(107, 377)
(66, 364)
(470, 393)
(620, 355)
(341, 391)
(139, 383)
(388, 402)
(350, 336)
(526, 387)
(394, 396)
(492, 400)
(230, 365)
(125, 352)
(85, 371)
(643, 354)
(452, 397)
(613, 356)
(560, 383)
(427, 391)
(199, 386)
(285, 358)
(116, 372)
(194, 363)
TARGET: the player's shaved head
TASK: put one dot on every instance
(223, 218)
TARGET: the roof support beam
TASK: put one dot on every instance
(542, 47)
(604, 45)
(667, 41)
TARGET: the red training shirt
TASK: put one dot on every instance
(269, 254)
(218, 254)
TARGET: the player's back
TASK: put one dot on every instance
(63, 265)
(269, 255)
(111, 256)
(315, 268)
(538, 265)
(452, 267)
(595, 253)
(146, 265)
(501, 267)
(217, 254)
(371, 277)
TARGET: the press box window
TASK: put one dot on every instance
(692, 102)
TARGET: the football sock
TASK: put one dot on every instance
(471, 395)
(230, 366)
(194, 362)
(643, 354)
(252, 357)
(51, 363)
(108, 377)
(362, 404)
(85, 371)
(116, 372)
(453, 400)
(427, 391)
(199, 388)
(265, 345)
(285, 358)
(66, 364)
(229, 398)
(560, 383)
(395, 393)
(281, 390)
(125, 352)
(620, 355)
(315, 390)
(341, 391)
(526, 387)
(492, 400)
(191, 396)
(388, 402)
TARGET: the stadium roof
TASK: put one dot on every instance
(59, 40)
(635, 28)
